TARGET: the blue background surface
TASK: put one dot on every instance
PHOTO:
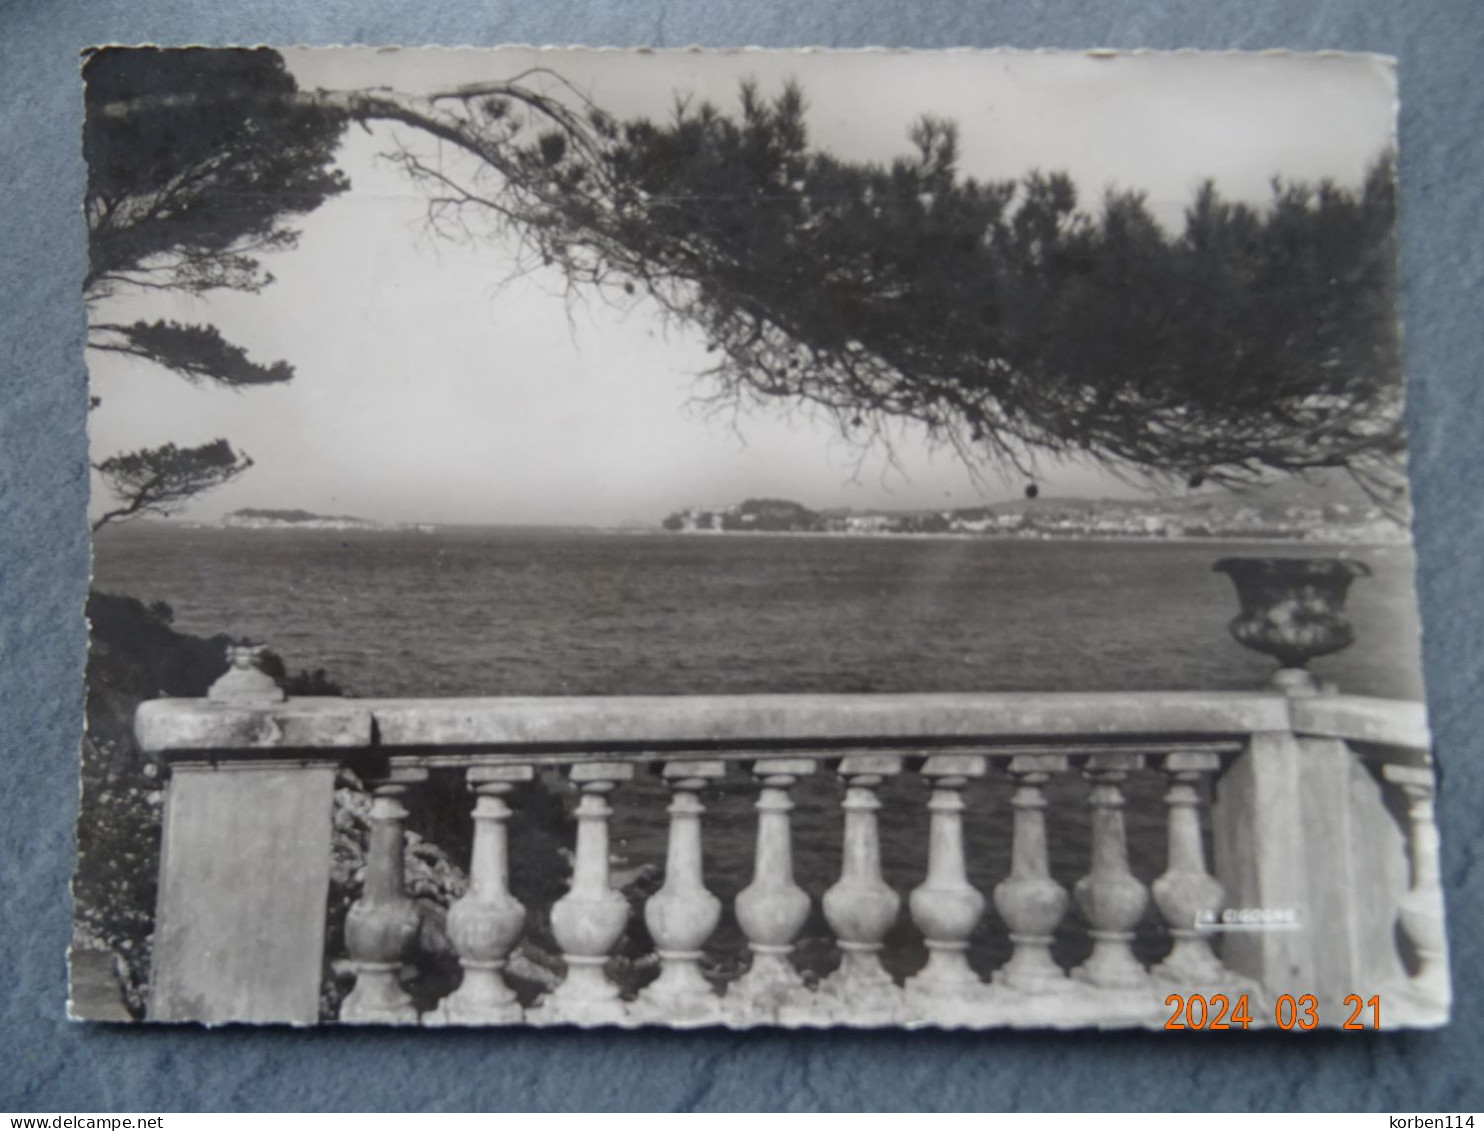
(48, 1064)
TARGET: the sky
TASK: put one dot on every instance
(432, 387)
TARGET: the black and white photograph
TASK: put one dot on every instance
(743, 538)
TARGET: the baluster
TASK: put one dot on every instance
(1421, 908)
(1110, 897)
(1187, 894)
(682, 915)
(381, 927)
(591, 917)
(860, 907)
(772, 909)
(486, 923)
(945, 906)
(1029, 901)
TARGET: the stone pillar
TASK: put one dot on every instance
(1301, 828)
(590, 919)
(244, 876)
(1261, 862)
(486, 923)
(1110, 897)
(1030, 902)
(860, 907)
(772, 909)
(1421, 907)
(381, 927)
(682, 915)
(945, 906)
(1187, 895)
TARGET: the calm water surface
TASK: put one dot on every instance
(491, 611)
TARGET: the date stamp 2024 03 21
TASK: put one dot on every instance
(1196, 1011)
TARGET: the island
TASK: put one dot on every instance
(256, 518)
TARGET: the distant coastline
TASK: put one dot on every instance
(1278, 514)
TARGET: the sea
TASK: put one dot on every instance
(471, 611)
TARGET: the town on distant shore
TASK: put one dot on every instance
(1279, 512)
(1296, 510)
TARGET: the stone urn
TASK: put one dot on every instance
(1293, 609)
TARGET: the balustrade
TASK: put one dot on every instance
(860, 907)
(772, 909)
(1186, 893)
(945, 906)
(683, 914)
(958, 747)
(1110, 895)
(486, 923)
(1420, 911)
(591, 917)
(382, 926)
(1029, 900)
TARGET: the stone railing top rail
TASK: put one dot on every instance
(721, 722)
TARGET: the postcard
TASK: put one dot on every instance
(750, 538)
